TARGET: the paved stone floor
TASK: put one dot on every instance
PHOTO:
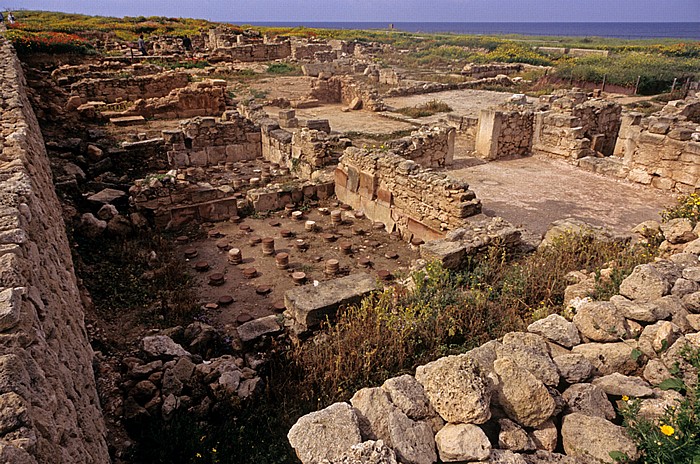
(533, 192)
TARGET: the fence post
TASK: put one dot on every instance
(605, 76)
(636, 86)
(673, 86)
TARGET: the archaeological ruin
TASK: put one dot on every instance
(177, 223)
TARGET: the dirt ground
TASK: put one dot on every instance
(533, 192)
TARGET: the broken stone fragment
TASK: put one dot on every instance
(325, 434)
(162, 347)
(595, 437)
(456, 389)
(462, 442)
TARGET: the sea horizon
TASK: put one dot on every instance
(621, 30)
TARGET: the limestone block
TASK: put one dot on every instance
(607, 358)
(556, 329)
(456, 389)
(588, 399)
(325, 434)
(10, 308)
(621, 385)
(588, 436)
(462, 442)
(256, 328)
(310, 305)
(524, 398)
(599, 321)
(645, 283)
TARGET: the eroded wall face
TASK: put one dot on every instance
(50, 408)
(208, 141)
(660, 151)
(402, 195)
(112, 89)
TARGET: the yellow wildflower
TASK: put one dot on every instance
(667, 430)
(625, 398)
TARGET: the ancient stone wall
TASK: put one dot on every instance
(50, 408)
(549, 394)
(303, 152)
(429, 146)
(308, 51)
(341, 66)
(170, 203)
(345, 90)
(402, 195)
(209, 141)
(129, 88)
(206, 98)
(253, 52)
(504, 133)
(479, 71)
(661, 150)
(575, 127)
(407, 87)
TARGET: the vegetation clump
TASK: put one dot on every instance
(688, 207)
(426, 109)
(675, 436)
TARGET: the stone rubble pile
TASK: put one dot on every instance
(165, 377)
(547, 395)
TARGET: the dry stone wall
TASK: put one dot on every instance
(429, 146)
(206, 98)
(130, 88)
(208, 141)
(503, 134)
(346, 90)
(575, 127)
(546, 395)
(401, 194)
(661, 150)
(50, 408)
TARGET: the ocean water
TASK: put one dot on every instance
(686, 31)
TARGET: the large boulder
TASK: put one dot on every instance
(588, 399)
(599, 321)
(646, 283)
(373, 407)
(369, 452)
(607, 358)
(573, 367)
(637, 310)
(522, 396)
(556, 329)
(413, 441)
(595, 437)
(456, 389)
(325, 434)
(462, 442)
(679, 230)
(623, 385)
(409, 396)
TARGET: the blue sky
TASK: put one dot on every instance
(383, 10)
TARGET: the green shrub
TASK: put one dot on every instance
(687, 207)
(656, 72)
(282, 68)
